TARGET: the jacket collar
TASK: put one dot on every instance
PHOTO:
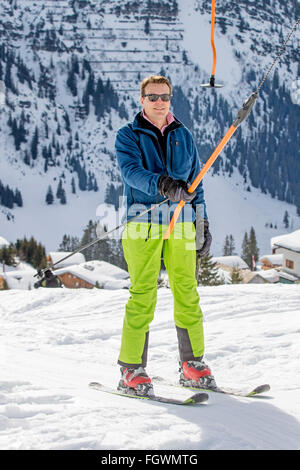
(140, 123)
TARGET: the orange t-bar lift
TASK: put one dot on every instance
(212, 83)
(242, 114)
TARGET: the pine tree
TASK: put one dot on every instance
(253, 246)
(250, 248)
(69, 243)
(89, 236)
(82, 177)
(90, 86)
(64, 245)
(181, 106)
(147, 26)
(99, 99)
(72, 83)
(122, 112)
(90, 183)
(31, 252)
(86, 102)
(286, 219)
(73, 186)
(59, 190)
(111, 99)
(236, 277)
(109, 250)
(70, 143)
(112, 195)
(7, 254)
(49, 196)
(18, 132)
(229, 246)
(75, 64)
(246, 253)
(207, 272)
(95, 188)
(226, 246)
(185, 58)
(8, 197)
(67, 122)
(63, 198)
(18, 198)
(8, 78)
(39, 257)
(26, 158)
(57, 149)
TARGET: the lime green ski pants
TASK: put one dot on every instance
(143, 247)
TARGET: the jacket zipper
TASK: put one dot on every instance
(164, 157)
(160, 152)
(171, 158)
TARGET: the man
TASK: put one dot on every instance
(48, 279)
(158, 159)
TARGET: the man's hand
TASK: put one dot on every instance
(206, 237)
(175, 190)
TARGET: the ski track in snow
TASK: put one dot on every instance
(54, 342)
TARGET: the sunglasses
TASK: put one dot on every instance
(153, 97)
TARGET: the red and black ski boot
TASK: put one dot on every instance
(196, 374)
(135, 381)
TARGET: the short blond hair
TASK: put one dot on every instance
(154, 79)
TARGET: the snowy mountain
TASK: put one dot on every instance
(55, 341)
(72, 71)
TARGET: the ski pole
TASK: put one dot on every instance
(242, 114)
(104, 235)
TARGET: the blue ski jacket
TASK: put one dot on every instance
(142, 161)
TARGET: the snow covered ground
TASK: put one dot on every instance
(54, 342)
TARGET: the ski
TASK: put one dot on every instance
(195, 399)
(225, 390)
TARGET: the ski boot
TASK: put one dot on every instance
(135, 381)
(196, 374)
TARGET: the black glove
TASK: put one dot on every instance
(203, 234)
(175, 190)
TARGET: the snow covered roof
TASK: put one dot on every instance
(22, 266)
(5, 269)
(273, 259)
(248, 276)
(20, 279)
(231, 261)
(270, 275)
(3, 242)
(291, 241)
(107, 275)
(77, 258)
(288, 276)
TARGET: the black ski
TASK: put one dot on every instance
(225, 390)
(195, 399)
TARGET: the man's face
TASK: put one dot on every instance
(156, 110)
